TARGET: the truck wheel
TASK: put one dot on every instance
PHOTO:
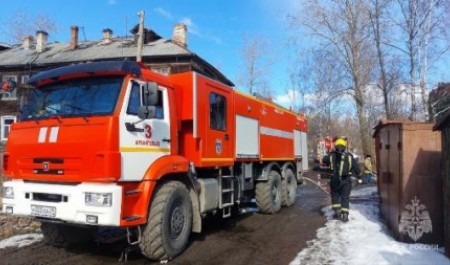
(289, 188)
(269, 194)
(61, 235)
(169, 223)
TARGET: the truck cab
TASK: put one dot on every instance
(80, 140)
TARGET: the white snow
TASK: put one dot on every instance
(20, 240)
(364, 240)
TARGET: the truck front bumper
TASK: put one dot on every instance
(63, 203)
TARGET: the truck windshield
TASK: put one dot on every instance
(73, 98)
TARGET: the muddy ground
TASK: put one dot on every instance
(246, 239)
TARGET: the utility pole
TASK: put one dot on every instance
(140, 42)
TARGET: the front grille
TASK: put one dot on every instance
(53, 182)
(48, 171)
(41, 160)
(47, 197)
(46, 165)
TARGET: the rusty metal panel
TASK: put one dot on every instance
(382, 157)
(410, 179)
(422, 180)
(395, 160)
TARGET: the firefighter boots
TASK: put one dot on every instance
(337, 214)
(344, 217)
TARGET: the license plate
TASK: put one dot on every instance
(43, 211)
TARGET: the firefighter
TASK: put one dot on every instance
(368, 169)
(342, 165)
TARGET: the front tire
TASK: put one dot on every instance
(169, 223)
(269, 194)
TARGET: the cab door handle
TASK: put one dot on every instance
(132, 128)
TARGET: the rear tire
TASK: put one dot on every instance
(289, 188)
(169, 223)
(269, 194)
(62, 235)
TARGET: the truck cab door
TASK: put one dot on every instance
(218, 140)
(142, 141)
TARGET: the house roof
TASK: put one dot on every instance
(118, 48)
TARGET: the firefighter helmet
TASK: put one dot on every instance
(340, 141)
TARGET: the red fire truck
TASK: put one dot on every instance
(114, 144)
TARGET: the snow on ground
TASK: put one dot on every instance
(364, 240)
(20, 240)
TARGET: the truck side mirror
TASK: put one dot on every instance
(147, 112)
(150, 94)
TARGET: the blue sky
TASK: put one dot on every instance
(215, 28)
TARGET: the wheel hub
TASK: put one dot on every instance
(177, 222)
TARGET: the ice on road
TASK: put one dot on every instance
(20, 240)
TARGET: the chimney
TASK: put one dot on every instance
(107, 35)
(73, 37)
(41, 40)
(180, 34)
(27, 41)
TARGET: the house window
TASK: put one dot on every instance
(11, 95)
(25, 79)
(161, 70)
(5, 123)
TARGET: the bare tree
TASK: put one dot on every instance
(301, 81)
(381, 30)
(255, 62)
(342, 27)
(421, 22)
(21, 24)
(316, 75)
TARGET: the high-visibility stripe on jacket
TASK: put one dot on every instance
(342, 164)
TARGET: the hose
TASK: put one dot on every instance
(317, 184)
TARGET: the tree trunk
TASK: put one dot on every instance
(366, 141)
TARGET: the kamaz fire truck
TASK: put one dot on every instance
(113, 144)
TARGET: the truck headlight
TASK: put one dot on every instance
(8, 192)
(98, 199)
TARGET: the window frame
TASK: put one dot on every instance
(221, 111)
(10, 95)
(159, 106)
(3, 126)
(24, 79)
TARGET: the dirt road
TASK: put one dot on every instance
(246, 239)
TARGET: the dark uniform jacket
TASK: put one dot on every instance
(342, 166)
